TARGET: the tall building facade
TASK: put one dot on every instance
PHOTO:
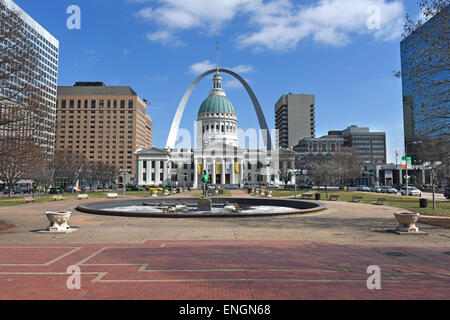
(425, 74)
(370, 146)
(44, 77)
(310, 150)
(294, 119)
(105, 124)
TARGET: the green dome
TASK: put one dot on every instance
(217, 104)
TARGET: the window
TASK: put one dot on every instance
(130, 104)
(122, 104)
(93, 103)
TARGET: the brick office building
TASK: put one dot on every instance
(104, 123)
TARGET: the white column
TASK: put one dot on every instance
(233, 174)
(140, 180)
(149, 173)
(241, 173)
(195, 173)
(224, 170)
(165, 171)
(268, 179)
(157, 172)
(214, 171)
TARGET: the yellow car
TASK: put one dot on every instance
(154, 188)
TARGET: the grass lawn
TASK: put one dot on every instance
(409, 203)
(74, 196)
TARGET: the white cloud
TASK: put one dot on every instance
(277, 24)
(203, 66)
(200, 67)
(232, 84)
(165, 37)
(242, 69)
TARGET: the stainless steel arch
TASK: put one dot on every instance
(177, 119)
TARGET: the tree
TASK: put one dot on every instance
(22, 106)
(425, 70)
(286, 164)
(69, 167)
(20, 97)
(349, 165)
(324, 172)
(15, 158)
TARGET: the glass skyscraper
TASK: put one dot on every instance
(425, 80)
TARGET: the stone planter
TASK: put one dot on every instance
(268, 193)
(166, 192)
(154, 193)
(407, 221)
(58, 221)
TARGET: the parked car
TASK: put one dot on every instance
(447, 193)
(135, 188)
(154, 188)
(363, 188)
(250, 185)
(376, 189)
(304, 186)
(232, 187)
(271, 186)
(412, 191)
(56, 191)
(389, 189)
(68, 189)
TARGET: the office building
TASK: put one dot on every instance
(370, 146)
(294, 119)
(40, 124)
(103, 123)
(426, 107)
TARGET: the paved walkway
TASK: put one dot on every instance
(223, 270)
(318, 256)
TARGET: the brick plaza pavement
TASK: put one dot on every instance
(224, 269)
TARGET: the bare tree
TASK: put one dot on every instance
(20, 101)
(425, 70)
(15, 158)
(349, 165)
(286, 161)
(69, 167)
(324, 172)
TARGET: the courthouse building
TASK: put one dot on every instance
(216, 152)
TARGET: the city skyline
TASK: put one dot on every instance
(343, 76)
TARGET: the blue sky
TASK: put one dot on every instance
(342, 51)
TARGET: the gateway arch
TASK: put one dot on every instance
(177, 119)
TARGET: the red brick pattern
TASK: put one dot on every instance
(265, 269)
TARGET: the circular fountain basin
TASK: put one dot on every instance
(250, 207)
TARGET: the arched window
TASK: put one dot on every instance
(223, 128)
(207, 128)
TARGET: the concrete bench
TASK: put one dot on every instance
(380, 201)
(307, 195)
(56, 198)
(83, 196)
(356, 198)
(334, 197)
(112, 195)
(28, 199)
